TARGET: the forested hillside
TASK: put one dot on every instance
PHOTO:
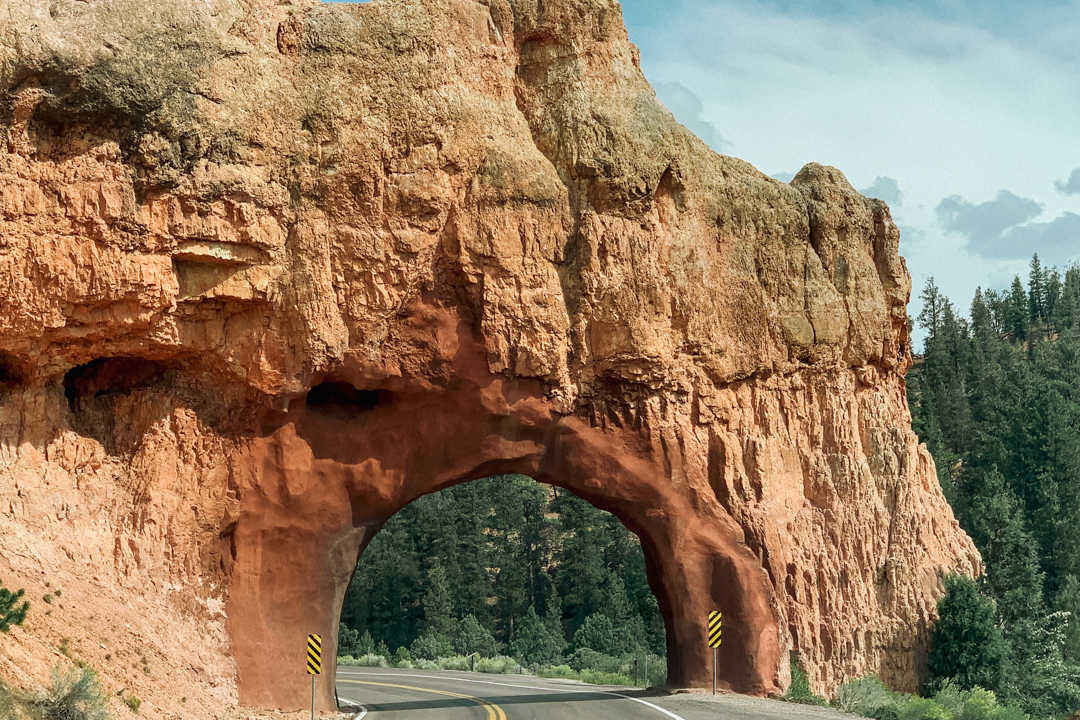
(996, 398)
(503, 565)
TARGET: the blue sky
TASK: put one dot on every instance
(964, 116)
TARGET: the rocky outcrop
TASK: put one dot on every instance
(272, 271)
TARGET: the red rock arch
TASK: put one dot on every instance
(327, 474)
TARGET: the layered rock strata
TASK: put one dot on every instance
(269, 272)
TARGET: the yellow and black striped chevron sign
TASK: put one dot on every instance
(714, 629)
(314, 655)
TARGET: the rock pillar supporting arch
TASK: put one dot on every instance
(321, 483)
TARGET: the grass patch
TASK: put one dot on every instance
(799, 691)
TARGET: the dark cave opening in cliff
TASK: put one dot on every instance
(343, 399)
(111, 375)
(14, 372)
(509, 570)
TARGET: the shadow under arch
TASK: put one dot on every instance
(324, 477)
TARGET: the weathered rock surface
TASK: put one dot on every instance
(269, 272)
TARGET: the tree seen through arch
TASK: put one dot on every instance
(503, 564)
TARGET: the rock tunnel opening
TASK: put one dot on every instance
(343, 464)
(520, 572)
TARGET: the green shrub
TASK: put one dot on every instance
(596, 677)
(74, 695)
(868, 697)
(975, 704)
(369, 660)
(589, 659)
(12, 612)
(430, 646)
(599, 633)
(862, 696)
(7, 702)
(455, 662)
(536, 642)
(472, 637)
(885, 712)
(133, 702)
(498, 665)
(401, 655)
(917, 708)
(799, 691)
(348, 641)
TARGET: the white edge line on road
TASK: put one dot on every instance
(363, 711)
(522, 687)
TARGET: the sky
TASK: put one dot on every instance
(963, 116)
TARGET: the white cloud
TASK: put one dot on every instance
(687, 109)
(1000, 228)
(984, 225)
(887, 189)
(1070, 186)
(1056, 242)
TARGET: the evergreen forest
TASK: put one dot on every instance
(996, 398)
(503, 566)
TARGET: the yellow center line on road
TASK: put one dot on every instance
(494, 712)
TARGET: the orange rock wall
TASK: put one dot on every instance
(472, 229)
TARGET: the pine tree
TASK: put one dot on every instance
(438, 605)
(472, 637)
(12, 612)
(1037, 291)
(966, 646)
(929, 317)
(1016, 311)
(535, 642)
(1011, 555)
(599, 633)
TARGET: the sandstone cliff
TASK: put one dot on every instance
(268, 272)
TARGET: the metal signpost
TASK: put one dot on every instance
(714, 642)
(314, 664)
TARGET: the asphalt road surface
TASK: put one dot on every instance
(391, 694)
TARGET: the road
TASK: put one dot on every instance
(391, 694)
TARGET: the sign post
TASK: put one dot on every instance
(714, 642)
(314, 665)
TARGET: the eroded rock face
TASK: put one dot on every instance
(271, 272)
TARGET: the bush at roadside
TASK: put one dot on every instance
(868, 697)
